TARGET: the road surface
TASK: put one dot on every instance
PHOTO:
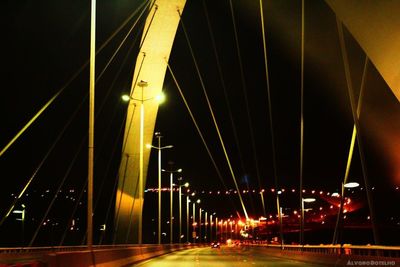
(225, 256)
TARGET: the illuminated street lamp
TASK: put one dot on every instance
(171, 200)
(339, 221)
(180, 210)
(22, 219)
(194, 219)
(142, 84)
(159, 148)
(351, 185)
(187, 218)
(306, 200)
(200, 210)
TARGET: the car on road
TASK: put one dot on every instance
(215, 245)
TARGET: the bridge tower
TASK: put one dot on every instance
(150, 67)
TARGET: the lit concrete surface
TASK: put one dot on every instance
(225, 256)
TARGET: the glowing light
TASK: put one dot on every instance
(351, 185)
(126, 98)
(308, 200)
(160, 98)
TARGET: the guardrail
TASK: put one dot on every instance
(11, 250)
(345, 249)
(67, 256)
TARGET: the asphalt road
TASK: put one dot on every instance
(225, 256)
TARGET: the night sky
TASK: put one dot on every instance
(46, 42)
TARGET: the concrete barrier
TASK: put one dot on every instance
(325, 255)
(100, 256)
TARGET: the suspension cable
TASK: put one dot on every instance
(204, 142)
(244, 90)
(302, 121)
(357, 126)
(351, 149)
(65, 126)
(271, 125)
(224, 89)
(73, 77)
(212, 114)
(82, 142)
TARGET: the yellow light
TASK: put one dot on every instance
(148, 146)
(186, 184)
(126, 98)
(160, 98)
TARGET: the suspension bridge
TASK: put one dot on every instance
(278, 138)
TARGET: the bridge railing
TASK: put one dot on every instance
(354, 250)
(16, 250)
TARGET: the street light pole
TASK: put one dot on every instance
(92, 82)
(141, 84)
(180, 210)
(159, 190)
(187, 218)
(211, 224)
(339, 219)
(216, 228)
(200, 210)
(205, 225)
(171, 200)
(194, 222)
(159, 148)
(159, 98)
(308, 200)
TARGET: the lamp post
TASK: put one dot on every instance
(339, 219)
(205, 226)
(200, 210)
(194, 219)
(142, 84)
(187, 218)
(22, 219)
(308, 200)
(171, 201)
(211, 224)
(216, 228)
(180, 210)
(159, 148)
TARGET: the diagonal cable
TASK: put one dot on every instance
(357, 125)
(351, 149)
(224, 89)
(212, 114)
(198, 130)
(244, 90)
(271, 124)
(73, 77)
(65, 126)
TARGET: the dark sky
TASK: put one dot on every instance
(46, 42)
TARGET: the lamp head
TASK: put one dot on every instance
(143, 83)
(308, 200)
(351, 185)
(160, 98)
(126, 98)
